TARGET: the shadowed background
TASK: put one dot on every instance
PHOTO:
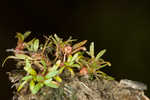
(121, 27)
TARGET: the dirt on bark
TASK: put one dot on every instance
(79, 88)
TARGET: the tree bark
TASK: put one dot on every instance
(81, 88)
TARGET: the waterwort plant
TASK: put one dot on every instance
(44, 64)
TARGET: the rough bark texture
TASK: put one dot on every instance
(81, 88)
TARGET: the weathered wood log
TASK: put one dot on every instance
(81, 88)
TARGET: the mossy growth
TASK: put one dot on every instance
(43, 65)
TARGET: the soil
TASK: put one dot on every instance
(79, 88)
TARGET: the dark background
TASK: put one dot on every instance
(122, 27)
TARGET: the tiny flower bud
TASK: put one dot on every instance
(84, 71)
(68, 49)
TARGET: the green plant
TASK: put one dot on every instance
(71, 63)
(43, 64)
(69, 54)
(38, 81)
(95, 63)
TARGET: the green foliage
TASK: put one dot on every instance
(72, 63)
(28, 68)
(36, 82)
(41, 70)
(22, 37)
(95, 63)
(33, 45)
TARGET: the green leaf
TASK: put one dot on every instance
(57, 38)
(21, 85)
(30, 71)
(23, 56)
(26, 78)
(9, 57)
(27, 63)
(44, 65)
(28, 68)
(20, 37)
(94, 64)
(75, 56)
(31, 41)
(98, 67)
(58, 79)
(36, 45)
(69, 40)
(39, 78)
(51, 74)
(88, 53)
(55, 66)
(32, 84)
(71, 71)
(61, 69)
(84, 62)
(100, 54)
(51, 84)
(48, 81)
(108, 63)
(37, 87)
(77, 45)
(75, 65)
(68, 63)
(29, 45)
(18, 56)
(54, 40)
(26, 34)
(102, 66)
(104, 75)
(92, 50)
(53, 71)
(69, 58)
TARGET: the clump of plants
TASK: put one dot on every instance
(44, 64)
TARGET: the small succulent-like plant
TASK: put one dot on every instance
(37, 81)
(44, 64)
(93, 64)
(71, 63)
